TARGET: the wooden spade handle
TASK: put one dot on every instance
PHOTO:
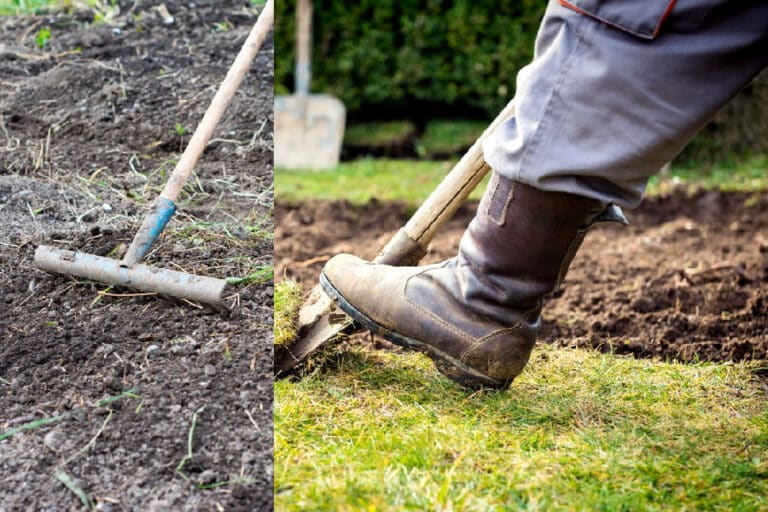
(409, 245)
(303, 46)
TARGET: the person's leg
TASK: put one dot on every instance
(598, 111)
(476, 315)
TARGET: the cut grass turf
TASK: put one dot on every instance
(578, 430)
(287, 303)
(412, 180)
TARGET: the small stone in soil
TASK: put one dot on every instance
(207, 477)
(105, 349)
(89, 216)
(53, 440)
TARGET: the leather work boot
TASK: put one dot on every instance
(475, 315)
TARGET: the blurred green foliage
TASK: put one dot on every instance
(391, 56)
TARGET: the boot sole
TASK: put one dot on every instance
(446, 364)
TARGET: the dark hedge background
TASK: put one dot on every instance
(386, 56)
(426, 59)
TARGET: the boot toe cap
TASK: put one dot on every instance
(350, 276)
(372, 289)
(340, 264)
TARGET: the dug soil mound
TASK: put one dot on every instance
(108, 397)
(687, 280)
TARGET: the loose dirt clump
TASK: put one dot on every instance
(126, 400)
(687, 280)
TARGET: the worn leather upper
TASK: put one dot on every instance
(483, 306)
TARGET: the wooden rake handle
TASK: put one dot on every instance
(219, 104)
(410, 244)
(165, 204)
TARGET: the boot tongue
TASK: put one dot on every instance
(610, 213)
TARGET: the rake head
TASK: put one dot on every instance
(206, 290)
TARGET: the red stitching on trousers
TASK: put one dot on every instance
(656, 31)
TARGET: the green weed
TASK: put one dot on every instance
(53, 419)
(42, 37)
(222, 26)
(180, 130)
(261, 275)
(69, 482)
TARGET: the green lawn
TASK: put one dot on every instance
(746, 174)
(413, 180)
(361, 180)
(578, 430)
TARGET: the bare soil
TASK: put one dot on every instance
(90, 127)
(686, 281)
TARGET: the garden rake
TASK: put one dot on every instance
(129, 272)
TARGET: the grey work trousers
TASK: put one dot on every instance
(617, 88)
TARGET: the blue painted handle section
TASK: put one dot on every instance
(150, 229)
(165, 208)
